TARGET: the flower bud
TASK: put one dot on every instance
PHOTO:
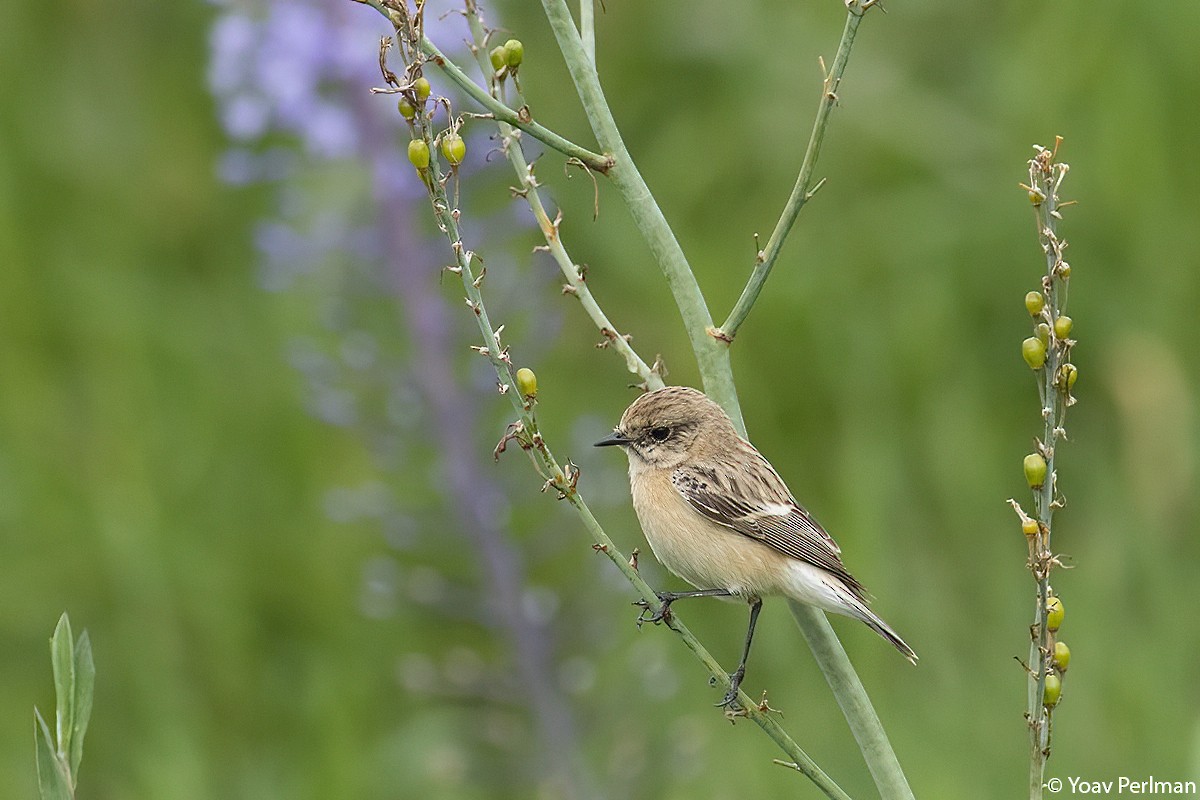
(1029, 527)
(1062, 656)
(514, 53)
(526, 382)
(1064, 270)
(498, 57)
(454, 148)
(422, 88)
(1034, 303)
(1052, 692)
(1062, 327)
(1035, 470)
(1054, 614)
(418, 153)
(1033, 350)
(407, 110)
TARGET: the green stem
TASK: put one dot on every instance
(499, 111)
(503, 113)
(855, 704)
(803, 191)
(711, 354)
(587, 28)
(1045, 176)
(576, 284)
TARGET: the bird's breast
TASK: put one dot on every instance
(702, 552)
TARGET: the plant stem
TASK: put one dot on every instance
(576, 283)
(803, 191)
(1045, 177)
(855, 704)
(503, 113)
(711, 355)
(587, 28)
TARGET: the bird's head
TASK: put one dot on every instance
(669, 426)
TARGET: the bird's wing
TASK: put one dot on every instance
(753, 500)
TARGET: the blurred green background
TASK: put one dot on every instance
(285, 608)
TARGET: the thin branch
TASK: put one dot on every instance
(711, 354)
(804, 188)
(576, 285)
(501, 112)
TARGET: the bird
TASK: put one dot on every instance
(716, 514)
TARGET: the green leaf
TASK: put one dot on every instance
(85, 681)
(53, 783)
(62, 658)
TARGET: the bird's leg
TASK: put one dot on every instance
(666, 598)
(735, 678)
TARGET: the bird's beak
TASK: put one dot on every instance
(616, 438)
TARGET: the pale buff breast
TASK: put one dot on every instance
(703, 553)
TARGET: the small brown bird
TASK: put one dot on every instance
(718, 515)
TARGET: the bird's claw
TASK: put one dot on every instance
(664, 609)
(730, 700)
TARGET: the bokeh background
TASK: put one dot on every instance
(243, 442)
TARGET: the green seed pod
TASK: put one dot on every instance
(1054, 614)
(1035, 470)
(1062, 656)
(418, 153)
(1064, 270)
(1066, 376)
(514, 53)
(499, 58)
(526, 382)
(1036, 197)
(454, 148)
(1034, 303)
(1033, 350)
(422, 88)
(1029, 527)
(1052, 692)
(1042, 331)
(407, 110)
(1062, 327)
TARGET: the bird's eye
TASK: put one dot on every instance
(660, 434)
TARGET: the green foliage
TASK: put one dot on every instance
(58, 756)
(159, 474)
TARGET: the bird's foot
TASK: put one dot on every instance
(664, 609)
(730, 700)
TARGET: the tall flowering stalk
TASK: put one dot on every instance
(1048, 354)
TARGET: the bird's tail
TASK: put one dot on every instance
(860, 610)
(816, 586)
